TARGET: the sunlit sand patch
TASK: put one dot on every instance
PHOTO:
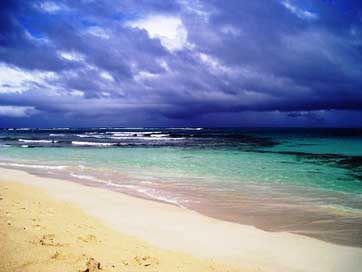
(53, 236)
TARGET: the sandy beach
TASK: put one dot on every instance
(42, 234)
(180, 136)
(55, 225)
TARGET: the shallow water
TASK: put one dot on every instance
(306, 181)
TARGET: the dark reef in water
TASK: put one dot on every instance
(352, 163)
(259, 140)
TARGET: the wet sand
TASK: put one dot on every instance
(38, 233)
(78, 222)
(287, 208)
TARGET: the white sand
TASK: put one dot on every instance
(174, 228)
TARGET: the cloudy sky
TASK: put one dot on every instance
(180, 63)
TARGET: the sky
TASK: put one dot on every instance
(93, 63)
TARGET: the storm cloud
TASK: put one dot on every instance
(185, 62)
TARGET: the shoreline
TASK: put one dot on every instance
(321, 222)
(39, 233)
(176, 229)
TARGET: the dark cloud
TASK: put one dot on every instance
(79, 62)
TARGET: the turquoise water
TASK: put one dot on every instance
(214, 165)
(303, 181)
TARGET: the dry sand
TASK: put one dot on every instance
(67, 223)
(38, 233)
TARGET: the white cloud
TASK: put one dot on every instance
(98, 32)
(15, 80)
(196, 7)
(77, 93)
(302, 14)
(230, 30)
(144, 75)
(17, 111)
(71, 56)
(50, 7)
(39, 40)
(106, 94)
(169, 29)
(215, 66)
(164, 64)
(107, 76)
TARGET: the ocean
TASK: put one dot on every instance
(305, 181)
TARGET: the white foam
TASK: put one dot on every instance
(37, 141)
(148, 192)
(107, 182)
(92, 135)
(187, 128)
(122, 185)
(95, 144)
(35, 166)
(147, 182)
(145, 138)
(83, 136)
(85, 177)
(56, 135)
(160, 135)
(130, 128)
(154, 194)
(132, 133)
(5, 145)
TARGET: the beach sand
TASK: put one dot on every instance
(55, 225)
(38, 233)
